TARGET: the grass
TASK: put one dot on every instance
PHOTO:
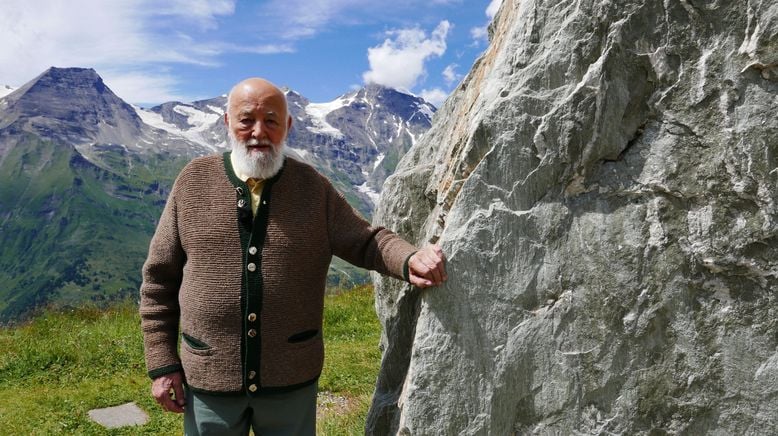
(60, 365)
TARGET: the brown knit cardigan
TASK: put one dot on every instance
(247, 294)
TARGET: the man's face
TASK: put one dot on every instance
(258, 111)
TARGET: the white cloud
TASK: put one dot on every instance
(142, 88)
(297, 19)
(139, 36)
(121, 35)
(492, 9)
(450, 75)
(436, 96)
(203, 12)
(399, 61)
(214, 49)
(481, 34)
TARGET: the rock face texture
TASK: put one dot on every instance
(604, 183)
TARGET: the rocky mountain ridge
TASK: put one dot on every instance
(5, 90)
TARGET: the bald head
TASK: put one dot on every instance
(257, 109)
(254, 87)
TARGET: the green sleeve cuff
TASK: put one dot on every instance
(165, 370)
(406, 269)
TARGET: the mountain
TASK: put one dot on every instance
(358, 138)
(85, 175)
(72, 106)
(83, 183)
(200, 122)
(5, 90)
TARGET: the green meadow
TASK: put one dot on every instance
(61, 364)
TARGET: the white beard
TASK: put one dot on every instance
(258, 165)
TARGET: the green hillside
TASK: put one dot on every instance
(73, 231)
(60, 365)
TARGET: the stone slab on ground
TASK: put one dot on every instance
(119, 416)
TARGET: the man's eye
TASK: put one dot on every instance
(272, 123)
(245, 121)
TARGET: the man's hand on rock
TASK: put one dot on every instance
(168, 390)
(427, 267)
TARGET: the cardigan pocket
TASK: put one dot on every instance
(302, 336)
(195, 346)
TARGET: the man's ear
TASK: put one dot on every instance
(289, 123)
(226, 119)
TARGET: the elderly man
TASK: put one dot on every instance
(238, 266)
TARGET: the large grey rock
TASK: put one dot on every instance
(604, 183)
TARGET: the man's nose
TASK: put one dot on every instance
(258, 130)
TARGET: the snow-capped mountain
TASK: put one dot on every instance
(5, 90)
(200, 122)
(360, 135)
(355, 139)
(73, 106)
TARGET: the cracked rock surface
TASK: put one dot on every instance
(604, 183)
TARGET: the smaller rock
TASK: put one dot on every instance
(119, 416)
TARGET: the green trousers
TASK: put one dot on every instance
(282, 414)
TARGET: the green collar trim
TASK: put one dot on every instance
(252, 232)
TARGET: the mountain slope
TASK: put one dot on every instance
(80, 194)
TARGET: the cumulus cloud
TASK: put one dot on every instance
(480, 34)
(492, 9)
(436, 96)
(55, 32)
(399, 61)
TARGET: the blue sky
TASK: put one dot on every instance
(151, 51)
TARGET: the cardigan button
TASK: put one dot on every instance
(251, 267)
(241, 203)
(253, 388)
(252, 250)
(252, 333)
(252, 317)
(252, 374)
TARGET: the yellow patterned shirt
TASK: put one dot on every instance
(255, 185)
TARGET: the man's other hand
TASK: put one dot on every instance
(427, 267)
(168, 390)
